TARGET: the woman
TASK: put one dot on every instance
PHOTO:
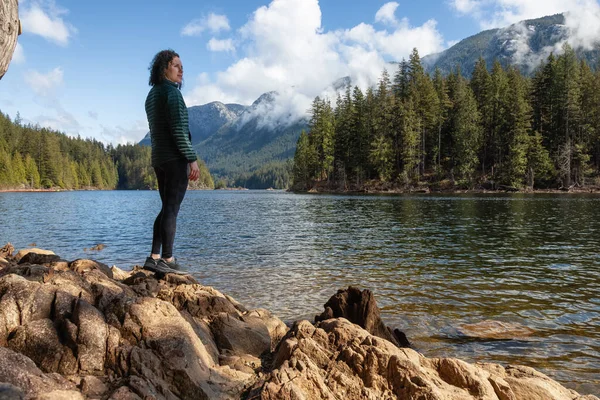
(173, 158)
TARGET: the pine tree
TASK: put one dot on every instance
(322, 131)
(6, 176)
(18, 170)
(385, 144)
(410, 141)
(495, 124)
(444, 105)
(359, 140)
(539, 165)
(569, 111)
(31, 172)
(518, 122)
(304, 162)
(465, 130)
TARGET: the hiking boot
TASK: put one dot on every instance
(150, 263)
(170, 265)
(157, 267)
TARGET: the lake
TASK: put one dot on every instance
(434, 262)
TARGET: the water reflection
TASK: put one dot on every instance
(434, 262)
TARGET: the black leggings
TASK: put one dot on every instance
(172, 179)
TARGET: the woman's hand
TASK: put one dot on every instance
(194, 171)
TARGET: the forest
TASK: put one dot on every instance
(32, 157)
(498, 130)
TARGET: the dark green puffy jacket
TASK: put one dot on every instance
(169, 127)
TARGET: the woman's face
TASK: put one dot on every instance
(174, 71)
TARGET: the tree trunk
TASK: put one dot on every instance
(10, 28)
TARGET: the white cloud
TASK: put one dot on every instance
(45, 19)
(124, 135)
(19, 55)
(582, 22)
(213, 23)
(500, 13)
(386, 13)
(44, 84)
(400, 42)
(466, 6)
(287, 50)
(225, 45)
(57, 117)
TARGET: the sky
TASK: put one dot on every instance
(81, 67)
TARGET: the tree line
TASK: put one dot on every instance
(498, 129)
(32, 157)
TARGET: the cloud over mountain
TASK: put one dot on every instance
(283, 47)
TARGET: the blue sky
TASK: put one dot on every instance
(81, 67)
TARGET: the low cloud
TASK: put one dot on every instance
(581, 28)
(44, 84)
(45, 19)
(124, 135)
(225, 45)
(287, 50)
(583, 23)
(213, 23)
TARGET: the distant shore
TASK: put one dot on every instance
(369, 189)
(394, 189)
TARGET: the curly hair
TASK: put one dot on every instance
(159, 64)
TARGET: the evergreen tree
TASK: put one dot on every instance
(410, 141)
(18, 170)
(518, 122)
(360, 138)
(465, 130)
(569, 112)
(6, 175)
(32, 175)
(385, 152)
(322, 130)
(496, 125)
(444, 106)
(305, 160)
(539, 165)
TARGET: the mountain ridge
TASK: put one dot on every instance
(524, 44)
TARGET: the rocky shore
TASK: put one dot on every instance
(82, 330)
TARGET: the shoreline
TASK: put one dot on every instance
(583, 190)
(81, 328)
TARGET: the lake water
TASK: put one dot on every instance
(434, 262)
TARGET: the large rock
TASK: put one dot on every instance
(69, 330)
(337, 359)
(360, 307)
(24, 252)
(20, 371)
(7, 250)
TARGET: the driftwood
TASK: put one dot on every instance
(10, 28)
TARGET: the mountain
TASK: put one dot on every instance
(263, 133)
(206, 119)
(524, 44)
(237, 141)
